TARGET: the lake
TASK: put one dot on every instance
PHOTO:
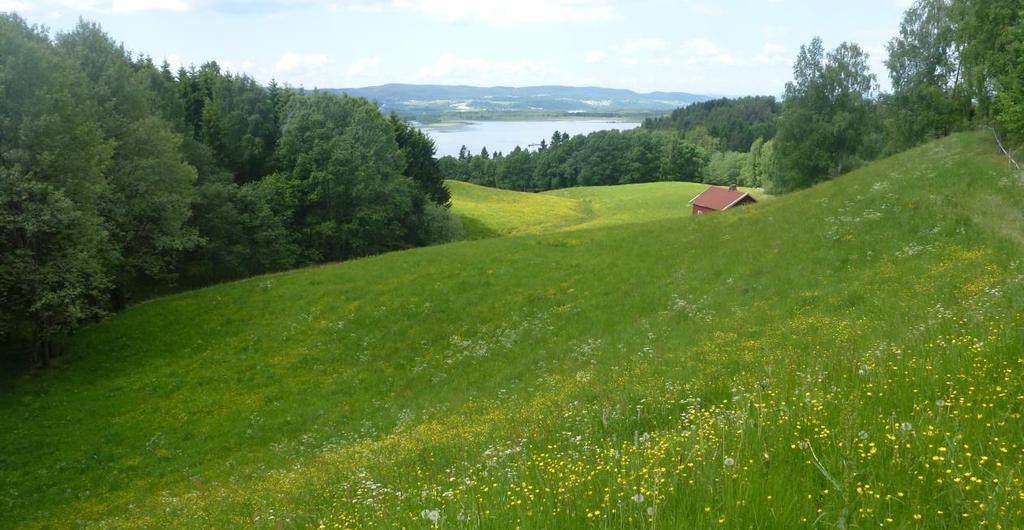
(504, 136)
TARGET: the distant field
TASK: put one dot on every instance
(487, 212)
(635, 203)
(848, 356)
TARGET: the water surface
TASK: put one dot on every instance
(504, 136)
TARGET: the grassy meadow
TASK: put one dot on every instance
(847, 356)
(489, 212)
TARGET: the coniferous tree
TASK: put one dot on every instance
(556, 139)
(420, 164)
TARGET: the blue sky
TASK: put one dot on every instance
(725, 47)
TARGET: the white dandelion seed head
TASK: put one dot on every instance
(940, 402)
(650, 511)
(431, 515)
(803, 444)
(639, 497)
(863, 435)
(729, 462)
(906, 426)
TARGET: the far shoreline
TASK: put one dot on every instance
(438, 120)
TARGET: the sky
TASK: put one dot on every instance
(725, 47)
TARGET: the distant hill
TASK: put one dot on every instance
(418, 99)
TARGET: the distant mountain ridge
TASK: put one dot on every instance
(406, 98)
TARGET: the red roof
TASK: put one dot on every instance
(717, 198)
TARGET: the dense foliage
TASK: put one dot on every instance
(118, 176)
(990, 35)
(954, 64)
(605, 158)
(825, 115)
(736, 122)
(929, 95)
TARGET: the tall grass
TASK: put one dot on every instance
(848, 356)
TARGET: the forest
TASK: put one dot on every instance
(955, 65)
(120, 179)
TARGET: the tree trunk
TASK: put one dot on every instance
(119, 297)
(40, 346)
(839, 163)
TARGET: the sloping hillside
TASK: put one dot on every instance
(489, 212)
(849, 356)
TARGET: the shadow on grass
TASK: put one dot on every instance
(15, 356)
(475, 229)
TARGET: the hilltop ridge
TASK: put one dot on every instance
(409, 98)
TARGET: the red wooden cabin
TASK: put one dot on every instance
(716, 198)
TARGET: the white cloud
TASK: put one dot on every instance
(703, 51)
(174, 61)
(303, 69)
(772, 54)
(708, 10)
(291, 62)
(503, 12)
(363, 66)
(245, 66)
(634, 51)
(644, 45)
(135, 6)
(875, 50)
(367, 6)
(14, 5)
(95, 6)
(500, 12)
(452, 69)
(238, 7)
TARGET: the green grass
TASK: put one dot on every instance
(489, 212)
(848, 356)
(634, 203)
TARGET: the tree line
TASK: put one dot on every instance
(600, 158)
(736, 123)
(692, 144)
(955, 64)
(120, 178)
